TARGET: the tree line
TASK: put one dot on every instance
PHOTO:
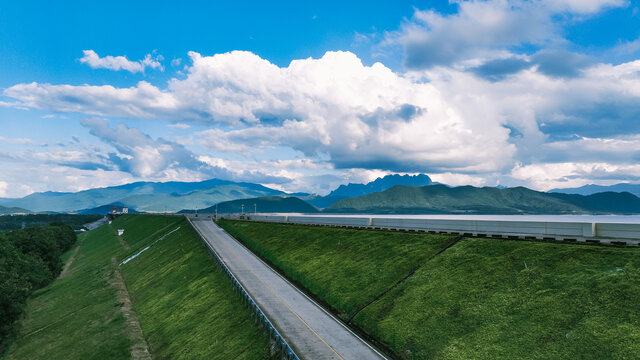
(76, 221)
(29, 260)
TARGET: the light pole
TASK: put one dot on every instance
(242, 207)
(255, 209)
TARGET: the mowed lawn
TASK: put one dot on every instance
(186, 307)
(478, 299)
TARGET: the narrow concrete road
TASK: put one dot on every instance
(310, 330)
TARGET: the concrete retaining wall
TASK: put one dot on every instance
(580, 231)
(335, 221)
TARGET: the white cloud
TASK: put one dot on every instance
(486, 29)
(180, 126)
(571, 174)
(138, 153)
(16, 141)
(447, 121)
(3, 188)
(117, 63)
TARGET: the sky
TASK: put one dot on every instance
(303, 96)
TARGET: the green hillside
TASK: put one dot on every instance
(487, 200)
(267, 204)
(432, 297)
(193, 200)
(13, 210)
(185, 306)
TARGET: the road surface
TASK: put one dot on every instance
(311, 331)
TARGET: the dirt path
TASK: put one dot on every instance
(139, 348)
(65, 270)
(123, 243)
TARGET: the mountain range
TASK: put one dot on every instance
(143, 196)
(594, 189)
(380, 184)
(267, 204)
(441, 199)
(389, 194)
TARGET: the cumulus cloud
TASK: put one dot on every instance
(444, 120)
(138, 153)
(3, 188)
(482, 29)
(117, 63)
(575, 174)
(361, 116)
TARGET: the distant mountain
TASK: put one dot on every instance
(267, 204)
(13, 210)
(380, 184)
(594, 189)
(144, 196)
(440, 199)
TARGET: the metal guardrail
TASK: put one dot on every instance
(282, 347)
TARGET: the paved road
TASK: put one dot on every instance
(311, 331)
(96, 223)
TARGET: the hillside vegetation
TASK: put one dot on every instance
(440, 199)
(267, 204)
(24, 221)
(479, 298)
(185, 306)
(29, 260)
(13, 210)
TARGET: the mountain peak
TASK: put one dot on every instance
(381, 184)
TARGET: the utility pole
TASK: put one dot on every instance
(242, 212)
(255, 209)
(215, 216)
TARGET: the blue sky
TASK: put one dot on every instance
(304, 96)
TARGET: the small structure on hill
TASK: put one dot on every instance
(119, 210)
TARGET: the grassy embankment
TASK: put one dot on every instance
(480, 298)
(185, 306)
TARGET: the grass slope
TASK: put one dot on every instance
(77, 317)
(343, 268)
(479, 299)
(185, 305)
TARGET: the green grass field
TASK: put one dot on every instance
(479, 299)
(185, 305)
(343, 268)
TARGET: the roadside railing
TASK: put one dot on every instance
(282, 349)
